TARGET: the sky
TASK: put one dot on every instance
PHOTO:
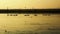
(29, 4)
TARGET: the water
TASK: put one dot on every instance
(21, 24)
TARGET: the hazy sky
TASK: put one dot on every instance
(28, 4)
